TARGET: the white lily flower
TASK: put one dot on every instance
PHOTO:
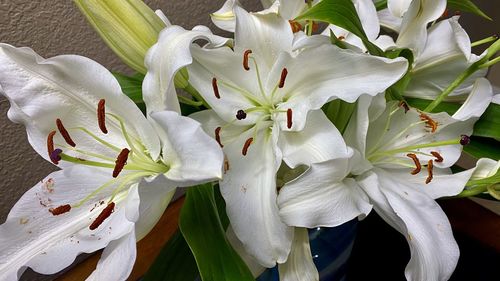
(119, 168)
(261, 93)
(400, 165)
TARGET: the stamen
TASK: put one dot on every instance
(340, 38)
(106, 212)
(55, 155)
(433, 125)
(296, 27)
(464, 140)
(404, 105)
(430, 165)
(50, 146)
(445, 13)
(60, 210)
(121, 160)
(289, 118)
(438, 156)
(216, 88)
(217, 136)
(246, 146)
(241, 114)
(418, 167)
(226, 164)
(64, 133)
(101, 116)
(284, 73)
(245, 59)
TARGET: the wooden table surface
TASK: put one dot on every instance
(465, 216)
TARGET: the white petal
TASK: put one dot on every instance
(249, 189)
(193, 156)
(320, 74)
(224, 17)
(290, 9)
(163, 17)
(251, 262)
(477, 102)
(385, 42)
(33, 237)
(485, 168)
(317, 142)
(413, 33)
(117, 260)
(155, 197)
(164, 59)
(398, 7)
(446, 55)
(267, 3)
(434, 252)
(299, 266)
(496, 99)
(265, 34)
(368, 16)
(388, 20)
(322, 196)
(68, 87)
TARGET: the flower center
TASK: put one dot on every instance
(388, 152)
(265, 105)
(134, 158)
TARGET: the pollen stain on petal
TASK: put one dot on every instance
(120, 162)
(60, 210)
(105, 213)
(64, 133)
(247, 144)
(245, 59)
(418, 167)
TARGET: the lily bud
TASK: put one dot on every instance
(129, 27)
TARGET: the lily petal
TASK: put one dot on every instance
(251, 262)
(158, 86)
(290, 9)
(192, 155)
(413, 34)
(300, 265)
(224, 17)
(249, 189)
(117, 260)
(434, 252)
(33, 237)
(477, 102)
(69, 87)
(322, 196)
(398, 7)
(388, 20)
(317, 142)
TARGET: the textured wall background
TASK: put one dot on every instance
(54, 27)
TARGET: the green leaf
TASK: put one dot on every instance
(489, 123)
(339, 113)
(380, 5)
(421, 104)
(201, 227)
(483, 148)
(131, 86)
(174, 263)
(467, 6)
(341, 13)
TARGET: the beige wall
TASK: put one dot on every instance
(53, 27)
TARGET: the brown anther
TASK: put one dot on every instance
(296, 27)
(226, 164)
(340, 38)
(438, 156)
(315, 26)
(418, 167)
(50, 146)
(404, 105)
(105, 213)
(241, 114)
(289, 121)
(245, 59)
(284, 73)
(60, 210)
(430, 165)
(101, 116)
(120, 162)
(217, 136)
(445, 13)
(64, 133)
(433, 125)
(216, 88)
(246, 146)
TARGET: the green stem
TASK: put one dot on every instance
(471, 192)
(187, 101)
(484, 41)
(490, 63)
